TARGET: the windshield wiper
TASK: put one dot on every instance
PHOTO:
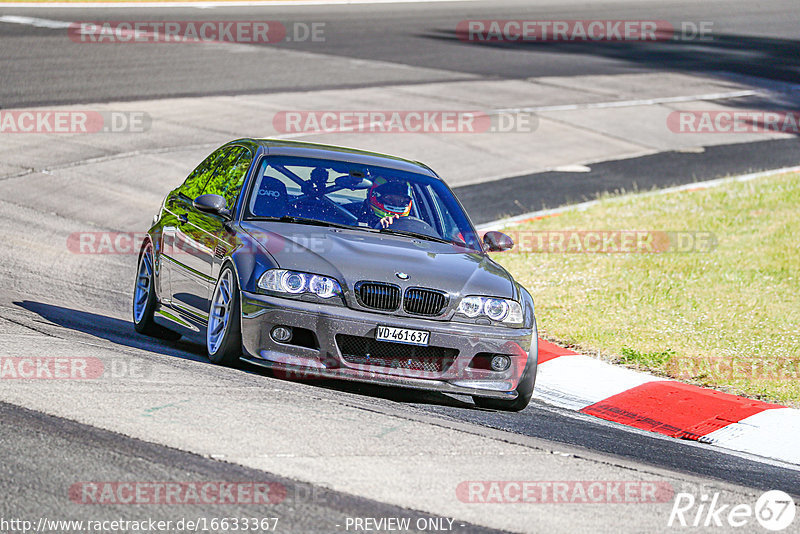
(417, 235)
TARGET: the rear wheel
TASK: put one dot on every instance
(144, 298)
(224, 332)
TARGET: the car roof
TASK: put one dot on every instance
(282, 147)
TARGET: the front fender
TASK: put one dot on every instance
(250, 260)
(528, 309)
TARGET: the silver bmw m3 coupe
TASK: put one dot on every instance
(322, 261)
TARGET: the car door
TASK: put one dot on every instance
(176, 253)
(227, 183)
(198, 234)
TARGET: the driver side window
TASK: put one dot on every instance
(231, 170)
(196, 182)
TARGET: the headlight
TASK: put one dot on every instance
(499, 310)
(323, 287)
(471, 306)
(496, 309)
(296, 283)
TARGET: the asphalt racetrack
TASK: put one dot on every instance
(339, 451)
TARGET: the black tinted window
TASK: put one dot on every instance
(196, 182)
(231, 169)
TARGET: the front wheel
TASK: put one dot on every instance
(224, 332)
(524, 392)
(144, 298)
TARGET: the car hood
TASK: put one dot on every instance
(355, 255)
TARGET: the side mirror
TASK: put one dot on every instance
(212, 204)
(497, 241)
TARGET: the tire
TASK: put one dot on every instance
(224, 331)
(144, 298)
(524, 392)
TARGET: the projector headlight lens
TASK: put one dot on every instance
(322, 286)
(496, 309)
(471, 306)
(293, 282)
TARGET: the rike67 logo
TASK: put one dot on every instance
(774, 510)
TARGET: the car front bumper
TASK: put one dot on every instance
(458, 372)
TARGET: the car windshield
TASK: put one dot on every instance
(310, 190)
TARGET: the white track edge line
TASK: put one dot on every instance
(708, 184)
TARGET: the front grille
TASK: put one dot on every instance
(378, 296)
(369, 351)
(424, 301)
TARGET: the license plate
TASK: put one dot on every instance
(402, 335)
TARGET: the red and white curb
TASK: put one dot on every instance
(593, 387)
(577, 382)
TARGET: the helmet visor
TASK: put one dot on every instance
(392, 198)
(394, 202)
